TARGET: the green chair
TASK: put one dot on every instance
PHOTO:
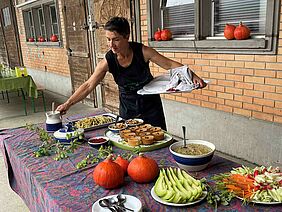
(40, 94)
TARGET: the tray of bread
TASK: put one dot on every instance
(145, 137)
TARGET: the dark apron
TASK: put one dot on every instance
(147, 107)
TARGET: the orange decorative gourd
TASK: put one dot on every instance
(143, 169)
(108, 174)
(242, 32)
(229, 31)
(166, 34)
(122, 162)
(157, 35)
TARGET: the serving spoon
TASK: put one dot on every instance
(184, 136)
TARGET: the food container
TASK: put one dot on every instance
(192, 162)
(69, 133)
(98, 141)
(53, 121)
(116, 128)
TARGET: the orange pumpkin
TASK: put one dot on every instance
(122, 162)
(242, 32)
(157, 35)
(108, 174)
(143, 169)
(229, 31)
(166, 34)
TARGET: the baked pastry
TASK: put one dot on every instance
(124, 132)
(134, 141)
(158, 135)
(140, 130)
(155, 129)
(144, 134)
(133, 129)
(147, 140)
(128, 135)
(147, 126)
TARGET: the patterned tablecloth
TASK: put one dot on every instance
(48, 185)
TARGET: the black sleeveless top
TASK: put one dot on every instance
(130, 80)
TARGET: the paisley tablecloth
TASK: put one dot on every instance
(48, 185)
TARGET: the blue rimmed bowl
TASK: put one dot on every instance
(192, 162)
(98, 141)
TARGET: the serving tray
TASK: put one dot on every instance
(108, 115)
(117, 141)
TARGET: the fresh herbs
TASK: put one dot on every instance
(51, 146)
(103, 152)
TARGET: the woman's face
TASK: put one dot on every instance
(116, 42)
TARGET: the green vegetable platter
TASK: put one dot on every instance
(117, 141)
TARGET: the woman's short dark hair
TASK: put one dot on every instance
(118, 24)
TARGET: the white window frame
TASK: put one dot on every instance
(203, 42)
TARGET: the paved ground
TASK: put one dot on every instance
(12, 115)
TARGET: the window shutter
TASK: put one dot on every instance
(179, 19)
(251, 12)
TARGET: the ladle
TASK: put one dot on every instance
(117, 118)
(53, 107)
(184, 135)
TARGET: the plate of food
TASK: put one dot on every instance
(134, 122)
(260, 185)
(117, 127)
(145, 137)
(175, 187)
(95, 122)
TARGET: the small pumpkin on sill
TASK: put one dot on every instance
(229, 31)
(242, 32)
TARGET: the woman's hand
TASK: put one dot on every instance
(198, 82)
(63, 108)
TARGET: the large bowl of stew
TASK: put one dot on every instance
(195, 156)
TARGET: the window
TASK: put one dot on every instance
(41, 20)
(198, 25)
(6, 16)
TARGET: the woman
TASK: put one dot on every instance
(128, 62)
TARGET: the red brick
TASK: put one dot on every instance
(278, 119)
(202, 62)
(226, 57)
(243, 98)
(217, 76)
(265, 102)
(209, 56)
(225, 95)
(244, 85)
(216, 88)
(252, 107)
(267, 88)
(234, 90)
(265, 58)
(216, 100)
(224, 108)
(244, 71)
(278, 104)
(225, 70)
(209, 68)
(273, 81)
(238, 64)
(194, 102)
(245, 57)
(208, 93)
(275, 66)
(273, 96)
(181, 99)
(201, 97)
(242, 112)
(252, 93)
(208, 105)
(233, 103)
(234, 77)
(225, 83)
(263, 116)
(257, 65)
(254, 79)
(217, 63)
(274, 111)
(264, 73)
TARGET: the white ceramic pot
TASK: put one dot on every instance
(53, 121)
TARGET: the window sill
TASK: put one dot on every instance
(47, 44)
(249, 46)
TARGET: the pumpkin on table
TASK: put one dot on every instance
(143, 169)
(122, 162)
(108, 174)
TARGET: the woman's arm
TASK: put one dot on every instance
(151, 54)
(81, 93)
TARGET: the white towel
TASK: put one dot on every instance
(180, 79)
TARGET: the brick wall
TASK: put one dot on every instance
(248, 85)
(44, 58)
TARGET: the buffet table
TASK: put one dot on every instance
(48, 185)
